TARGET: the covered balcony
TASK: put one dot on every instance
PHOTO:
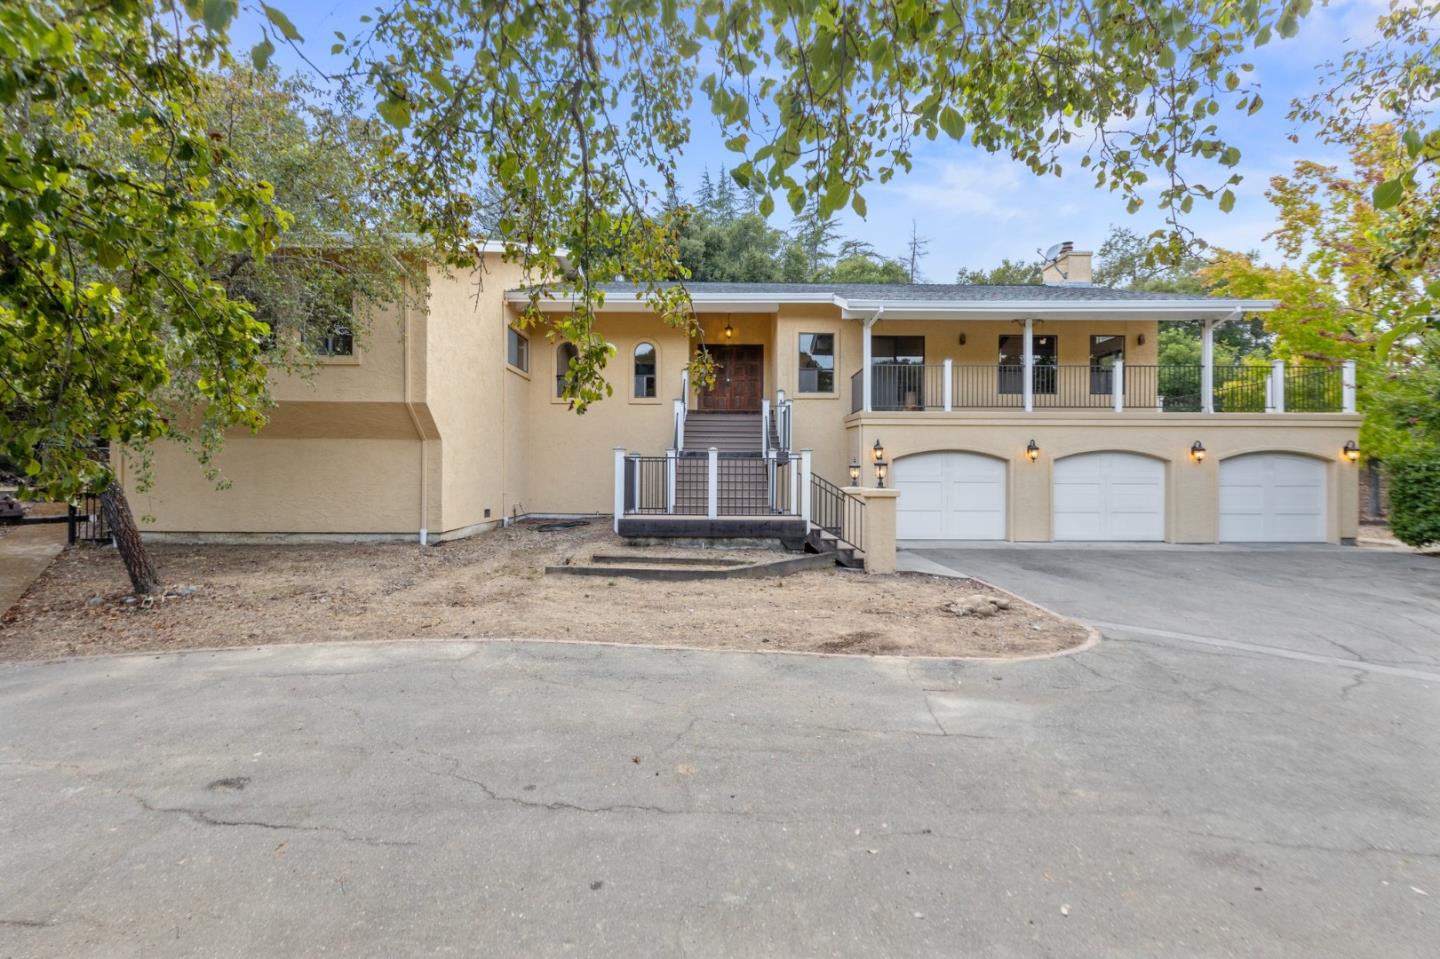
(1113, 385)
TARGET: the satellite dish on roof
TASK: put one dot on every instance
(1053, 254)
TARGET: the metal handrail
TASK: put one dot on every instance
(837, 512)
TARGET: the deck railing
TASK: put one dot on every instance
(1166, 388)
(837, 512)
(712, 483)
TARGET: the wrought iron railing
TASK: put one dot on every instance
(742, 484)
(837, 512)
(1170, 388)
(1313, 389)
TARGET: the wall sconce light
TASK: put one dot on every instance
(1140, 340)
(854, 473)
(882, 469)
(962, 339)
(1197, 452)
(1032, 451)
(1351, 451)
(878, 452)
(729, 330)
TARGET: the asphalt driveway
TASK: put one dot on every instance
(1152, 796)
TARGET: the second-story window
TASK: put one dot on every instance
(817, 363)
(517, 350)
(645, 371)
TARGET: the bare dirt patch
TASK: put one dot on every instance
(493, 586)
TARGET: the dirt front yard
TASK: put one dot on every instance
(493, 585)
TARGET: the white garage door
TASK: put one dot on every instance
(1272, 498)
(1109, 496)
(950, 496)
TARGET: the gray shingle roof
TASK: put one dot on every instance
(915, 292)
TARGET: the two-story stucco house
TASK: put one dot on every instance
(1023, 413)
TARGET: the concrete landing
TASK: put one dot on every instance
(25, 553)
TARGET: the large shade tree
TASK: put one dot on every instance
(576, 111)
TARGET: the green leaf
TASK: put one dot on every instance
(1388, 194)
(395, 112)
(218, 14)
(857, 203)
(260, 54)
(952, 123)
(1227, 201)
(282, 23)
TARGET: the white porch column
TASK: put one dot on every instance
(805, 484)
(619, 487)
(1277, 387)
(865, 363)
(1117, 385)
(1027, 362)
(712, 484)
(1207, 367)
(1347, 386)
(669, 481)
(948, 389)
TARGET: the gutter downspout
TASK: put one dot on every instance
(420, 434)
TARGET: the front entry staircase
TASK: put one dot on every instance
(761, 488)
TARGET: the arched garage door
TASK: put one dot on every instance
(949, 495)
(1272, 498)
(1109, 496)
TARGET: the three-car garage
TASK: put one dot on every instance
(1111, 496)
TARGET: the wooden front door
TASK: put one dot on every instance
(739, 379)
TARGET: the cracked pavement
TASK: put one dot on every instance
(1156, 795)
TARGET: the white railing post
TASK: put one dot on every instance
(765, 425)
(1027, 361)
(679, 411)
(805, 484)
(669, 481)
(1347, 386)
(794, 505)
(619, 486)
(712, 484)
(1117, 385)
(1207, 368)
(1275, 402)
(947, 390)
(770, 479)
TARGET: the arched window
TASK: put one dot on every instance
(645, 371)
(564, 353)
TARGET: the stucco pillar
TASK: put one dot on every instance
(865, 362)
(879, 526)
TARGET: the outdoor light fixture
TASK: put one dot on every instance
(1351, 451)
(1140, 340)
(1197, 452)
(854, 473)
(729, 330)
(882, 469)
(962, 339)
(878, 452)
(1032, 451)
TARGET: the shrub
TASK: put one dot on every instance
(1415, 497)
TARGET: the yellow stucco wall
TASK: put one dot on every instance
(428, 426)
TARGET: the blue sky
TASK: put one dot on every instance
(977, 208)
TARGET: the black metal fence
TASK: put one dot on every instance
(837, 512)
(85, 523)
(746, 484)
(1313, 389)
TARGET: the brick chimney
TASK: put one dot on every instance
(1067, 266)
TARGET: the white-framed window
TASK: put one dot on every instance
(565, 353)
(647, 360)
(817, 363)
(517, 349)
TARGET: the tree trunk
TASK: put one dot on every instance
(115, 509)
